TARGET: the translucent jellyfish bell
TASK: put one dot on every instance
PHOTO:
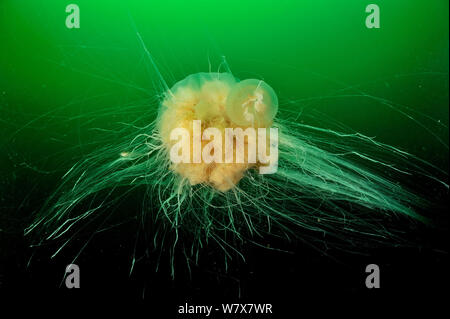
(206, 91)
(197, 80)
(252, 103)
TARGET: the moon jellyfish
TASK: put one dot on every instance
(328, 186)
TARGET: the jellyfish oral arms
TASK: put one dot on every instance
(328, 186)
(210, 107)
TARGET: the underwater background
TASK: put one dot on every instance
(62, 90)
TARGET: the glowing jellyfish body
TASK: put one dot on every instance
(327, 183)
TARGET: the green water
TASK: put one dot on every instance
(58, 83)
(64, 93)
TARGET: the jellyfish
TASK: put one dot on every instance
(220, 102)
(323, 185)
